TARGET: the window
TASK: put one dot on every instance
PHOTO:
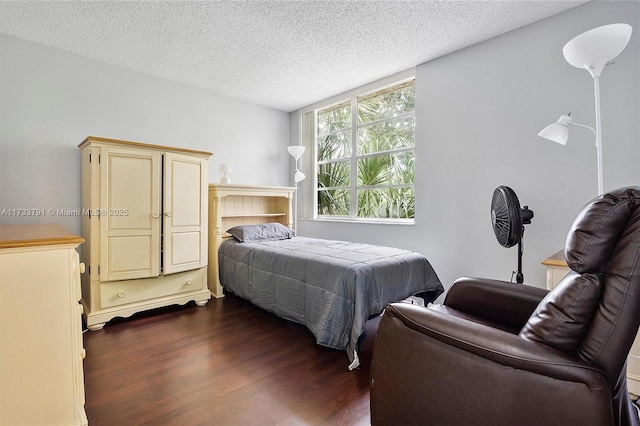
(365, 156)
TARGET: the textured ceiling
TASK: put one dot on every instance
(281, 54)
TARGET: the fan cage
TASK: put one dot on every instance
(506, 216)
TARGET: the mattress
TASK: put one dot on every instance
(332, 287)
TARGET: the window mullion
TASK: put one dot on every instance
(391, 151)
(313, 149)
(388, 119)
(353, 207)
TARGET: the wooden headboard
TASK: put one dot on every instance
(233, 205)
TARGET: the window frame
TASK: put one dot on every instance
(353, 97)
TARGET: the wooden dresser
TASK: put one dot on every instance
(41, 375)
(557, 269)
(233, 205)
(144, 217)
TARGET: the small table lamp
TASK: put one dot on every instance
(225, 169)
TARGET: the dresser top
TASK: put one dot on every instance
(117, 142)
(557, 259)
(12, 236)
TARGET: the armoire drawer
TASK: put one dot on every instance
(118, 293)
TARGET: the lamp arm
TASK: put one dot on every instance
(585, 126)
(599, 153)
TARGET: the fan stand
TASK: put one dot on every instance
(519, 274)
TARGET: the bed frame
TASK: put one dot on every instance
(233, 205)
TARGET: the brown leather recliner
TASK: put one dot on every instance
(497, 353)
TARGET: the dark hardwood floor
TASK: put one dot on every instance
(228, 363)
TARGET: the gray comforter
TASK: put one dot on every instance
(332, 287)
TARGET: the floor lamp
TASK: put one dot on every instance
(296, 152)
(591, 50)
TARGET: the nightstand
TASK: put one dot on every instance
(557, 269)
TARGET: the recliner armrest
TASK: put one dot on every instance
(430, 367)
(496, 345)
(500, 302)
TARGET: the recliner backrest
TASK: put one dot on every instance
(605, 240)
(595, 310)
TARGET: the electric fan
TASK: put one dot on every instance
(508, 220)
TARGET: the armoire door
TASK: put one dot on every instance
(185, 213)
(130, 213)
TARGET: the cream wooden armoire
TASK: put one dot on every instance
(144, 219)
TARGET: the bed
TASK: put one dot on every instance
(331, 287)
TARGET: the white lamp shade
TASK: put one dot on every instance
(225, 169)
(557, 132)
(298, 176)
(296, 151)
(593, 49)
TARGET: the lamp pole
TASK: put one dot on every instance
(296, 152)
(295, 212)
(596, 85)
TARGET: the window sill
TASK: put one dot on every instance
(402, 222)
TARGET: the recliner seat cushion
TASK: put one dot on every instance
(564, 315)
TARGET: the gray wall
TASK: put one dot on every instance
(478, 112)
(50, 100)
